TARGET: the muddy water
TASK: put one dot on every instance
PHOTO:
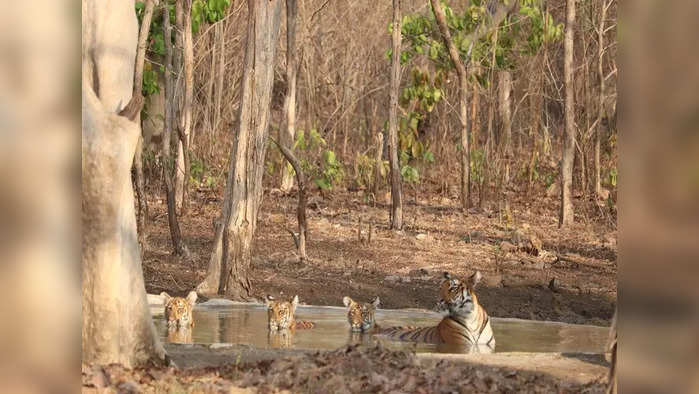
(247, 324)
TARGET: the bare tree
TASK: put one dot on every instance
(299, 240)
(600, 75)
(230, 259)
(287, 136)
(169, 165)
(142, 214)
(500, 12)
(463, 106)
(505, 107)
(566, 213)
(184, 127)
(396, 184)
(117, 326)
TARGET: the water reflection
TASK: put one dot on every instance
(179, 335)
(247, 324)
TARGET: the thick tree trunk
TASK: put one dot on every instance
(568, 154)
(288, 135)
(396, 181)
(117, 326)
(230, 259)
(168, 161)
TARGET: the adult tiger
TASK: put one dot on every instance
(466, 323)
(280, 315)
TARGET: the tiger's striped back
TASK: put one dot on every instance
(413, 334)
(304, 325)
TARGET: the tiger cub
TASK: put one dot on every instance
(178, 315)
(280, 315)
(360, 315)
(178, 310)
(465, 324)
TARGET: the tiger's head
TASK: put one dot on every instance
(456, 296)
(178, 310)
(280, 314)
(361, 315)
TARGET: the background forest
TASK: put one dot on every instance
(505, 220)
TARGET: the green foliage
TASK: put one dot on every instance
(613, 176)
(210, 11)
(410, 174)
(150, 80)
(320, 164)
(478, 166)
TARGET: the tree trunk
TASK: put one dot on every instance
(378, 159)
(168, 161)
(289, 134)
(475, 122)
(230, 259)
(301, 208)
(178, 106)
(117, 325)
(505, 105)
(142, 213)
(463, 106)
(185, 124)
(600, 103)
(566, 213)
(221, 34)
(396, 182)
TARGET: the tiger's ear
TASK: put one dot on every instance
(447, 275)
(347, 301)
(474, 279)
(166, 297)
(192, 297)
(295, 302)
(268, 300)
(376, 302)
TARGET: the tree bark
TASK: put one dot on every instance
(168, 161)
(178, 67)
(378, 163)
(568, 154)
(288, 135)
(185, 124)
(396, 182)
(142, 213)
(230, 259)
(301, 208)
(600, 103)
(117, 325)
(505, 106)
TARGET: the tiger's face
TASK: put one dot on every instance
(280, 314)
(456, 296)
(361, 315)
(178, 310)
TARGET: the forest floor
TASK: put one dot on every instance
(531, 268)
(348, 369)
